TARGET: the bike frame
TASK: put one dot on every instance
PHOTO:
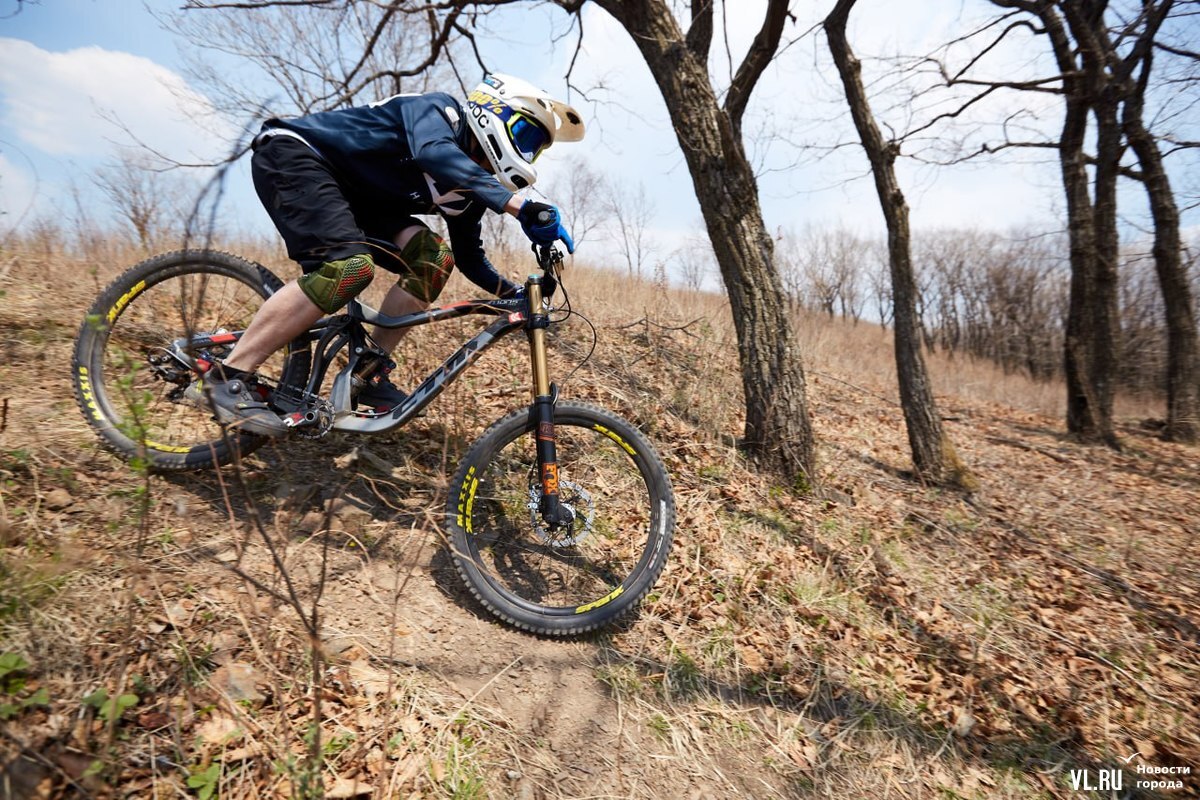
(347, 330)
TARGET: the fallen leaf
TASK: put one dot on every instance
(751, 658)
(238, 681)
(242, 753)
(964, 723)
(154, 719)
(219, 729)
(58, 498)
(343, 788)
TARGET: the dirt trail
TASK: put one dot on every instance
(396, 607)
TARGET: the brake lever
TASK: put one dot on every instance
(549, 259)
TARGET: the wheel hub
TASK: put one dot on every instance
(575, 499)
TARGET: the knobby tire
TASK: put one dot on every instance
(541, 581)
(119, 400)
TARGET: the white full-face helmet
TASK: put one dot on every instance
(514, 122)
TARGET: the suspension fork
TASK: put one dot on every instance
(542, 410)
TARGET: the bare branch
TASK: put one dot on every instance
(952, 114)
(699, 35)
(200, 6)
(1177, 51)
(764, 48)
(983, 51)
(15, 11)
(469, 35)
(373, 41)
(578, 49)
(438, 43)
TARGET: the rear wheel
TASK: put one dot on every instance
(581, 576)
(127, 383)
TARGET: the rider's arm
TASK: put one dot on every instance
(431, 139)
(467, 242)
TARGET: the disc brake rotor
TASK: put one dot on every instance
(577, 500)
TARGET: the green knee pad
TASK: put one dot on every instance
(429, 261)
(338, 282)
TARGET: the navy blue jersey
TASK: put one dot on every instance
(406, 155)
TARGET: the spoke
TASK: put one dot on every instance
(599, 481)
(147, 325)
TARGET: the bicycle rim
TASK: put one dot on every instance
(583, 576)
(185, 300)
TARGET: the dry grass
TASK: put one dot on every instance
(903, 643)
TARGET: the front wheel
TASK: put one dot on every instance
(575, 578)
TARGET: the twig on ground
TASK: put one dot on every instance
(1028, 447)
(647, 321)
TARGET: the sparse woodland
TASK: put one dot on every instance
(938, 503)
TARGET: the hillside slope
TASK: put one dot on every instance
(891, 639)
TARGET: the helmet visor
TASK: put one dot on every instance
(528, 136)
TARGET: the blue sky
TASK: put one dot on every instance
(68, 68)
(66, 24)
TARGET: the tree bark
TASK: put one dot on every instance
(933, 454)
(1183, 350)
(778, 432)
(1086, 416)
(1096, 89)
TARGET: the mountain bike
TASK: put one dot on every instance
(561, 514)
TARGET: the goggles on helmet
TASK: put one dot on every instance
(529, 137)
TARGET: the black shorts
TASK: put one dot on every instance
(310, 208)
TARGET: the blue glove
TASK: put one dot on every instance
(543, 224)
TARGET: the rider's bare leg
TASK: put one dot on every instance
(286, 314)
(396, 303)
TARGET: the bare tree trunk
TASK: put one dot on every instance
(933, 455)
(778, 431)
(1085, 19)
(1083, 407)
(1086, 417)
(1183, 350)
(1105, 316)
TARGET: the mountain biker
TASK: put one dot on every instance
(332, 178)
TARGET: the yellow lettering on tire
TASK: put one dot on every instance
(167, 448)
(616, 439)
(608, 598)
(466, 499)
(89, 399)
(123, 301)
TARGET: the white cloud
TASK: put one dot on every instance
(75, 103)
(17, 193)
